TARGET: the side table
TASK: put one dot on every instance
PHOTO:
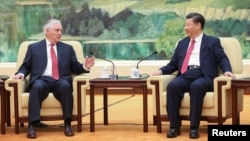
(5, 104)
(106, 83)
(237, 84)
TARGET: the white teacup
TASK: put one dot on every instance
(135, 73)
(104, 73)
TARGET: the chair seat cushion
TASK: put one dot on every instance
(208, 101)
(49, 103)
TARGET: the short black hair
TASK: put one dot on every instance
(197, 18)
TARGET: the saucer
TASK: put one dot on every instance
(135, 77)
(104, 77)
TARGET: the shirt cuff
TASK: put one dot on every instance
(84, 67)
(160, 72)
(21, 74)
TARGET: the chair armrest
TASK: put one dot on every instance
(16, 87)
(222, 94)
(83, 80)
(22, 84)
(163, 81)
(158, 85)
(227, 80)
(80, 86)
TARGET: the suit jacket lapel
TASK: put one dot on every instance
(59, 49)
(203, 45)
(43, 49)
(184, 49)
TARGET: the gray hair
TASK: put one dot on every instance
(49, 24)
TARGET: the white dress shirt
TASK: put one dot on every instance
(195, 55)
(48, 70)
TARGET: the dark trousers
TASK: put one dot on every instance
(39, 90)
(191, 81)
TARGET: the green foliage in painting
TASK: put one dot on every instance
(176, 1)
(229, 27)
(7, 5)
(139, 26)
(172, 33)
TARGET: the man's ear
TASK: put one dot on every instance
(199, 25)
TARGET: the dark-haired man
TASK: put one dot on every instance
(195, 73)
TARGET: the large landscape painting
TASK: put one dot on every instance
(121, 29)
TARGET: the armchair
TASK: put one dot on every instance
(51, 108)
(216, 105)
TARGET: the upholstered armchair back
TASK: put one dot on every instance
(233, 50)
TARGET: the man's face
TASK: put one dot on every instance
(192, 29)
(54, 34)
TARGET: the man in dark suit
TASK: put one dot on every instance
(197, 77)
(38, 63)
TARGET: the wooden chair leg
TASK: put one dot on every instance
(7, 101)
(8, 120)
(21, 124)
(2, 107)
